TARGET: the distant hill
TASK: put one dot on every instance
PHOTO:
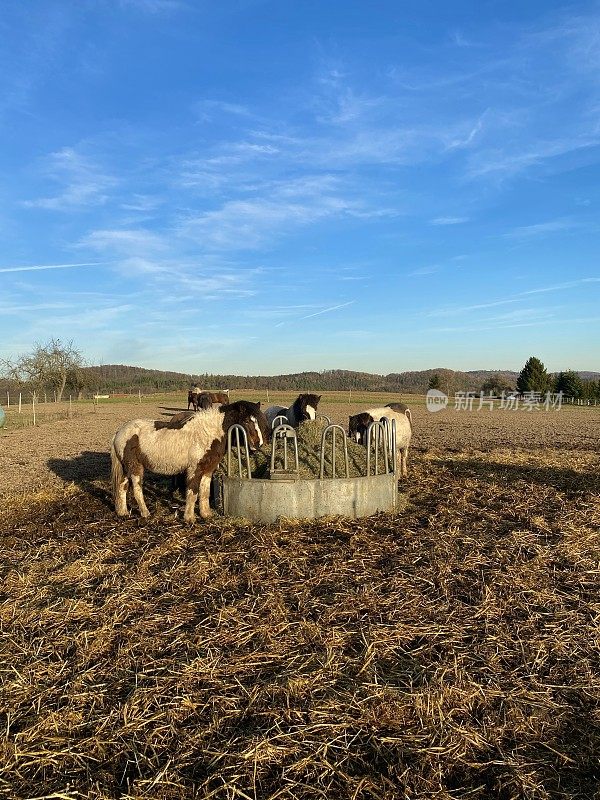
(122, 378)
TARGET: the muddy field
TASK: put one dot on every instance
(450, 651)
(76, 449)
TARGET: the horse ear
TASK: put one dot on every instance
(319, 397)
(256, 406)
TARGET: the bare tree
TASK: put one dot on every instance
(47, 367)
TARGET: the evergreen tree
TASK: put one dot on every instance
(533, 377)
(569, 383)
(434, 382)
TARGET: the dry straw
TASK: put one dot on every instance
(450, 652)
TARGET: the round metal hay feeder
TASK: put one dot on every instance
(2, 417)
(286, 494)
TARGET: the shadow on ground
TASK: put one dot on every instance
(90, 471)
(166, 409)
(564, 480)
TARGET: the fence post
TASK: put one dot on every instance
(45, 398)
(33, 404)
(140, 396)
(70, 407)
(19, 402)
(8, 399)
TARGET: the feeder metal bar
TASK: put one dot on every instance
(334, 429)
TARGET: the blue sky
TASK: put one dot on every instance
(263, 187)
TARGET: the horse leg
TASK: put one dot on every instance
(403, 459)
(205, 509)
(191, 495)
(121, 497)
(136, 482)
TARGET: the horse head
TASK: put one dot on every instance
(357, 427)
(251, 418)
(305, 407)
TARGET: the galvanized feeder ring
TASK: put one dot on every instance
(286, 494)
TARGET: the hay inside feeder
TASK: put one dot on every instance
(309, 456)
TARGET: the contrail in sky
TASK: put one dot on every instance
(316, 313)
(331, 308)
(51, 266)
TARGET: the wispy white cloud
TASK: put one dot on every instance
(84, 183)
(422, 272)
(508, 163)
(137, 242)
(542, 228)
(142, 203)
(449, 220)
(276, 209)
(208, 109)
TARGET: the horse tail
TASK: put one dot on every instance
(117, 475)
(409, 415)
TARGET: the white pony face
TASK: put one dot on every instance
(311, 412)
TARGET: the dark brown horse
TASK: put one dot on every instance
(199, 399)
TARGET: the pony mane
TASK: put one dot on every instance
(401, 408)
(175, 422)
(309, 400)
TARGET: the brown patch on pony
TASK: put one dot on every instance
(134, 461)
(176, 422)
(208, 463)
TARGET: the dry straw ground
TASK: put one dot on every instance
(449, 652)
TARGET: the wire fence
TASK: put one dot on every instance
(24, 412)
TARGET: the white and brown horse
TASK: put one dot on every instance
(302, 409)
(194, 444)
(359, 423)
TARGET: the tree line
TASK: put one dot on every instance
(59, 369)
(534, 377)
